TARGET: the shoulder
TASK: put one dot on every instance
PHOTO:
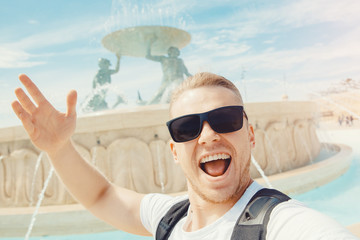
(161, 200)
(153, 208)
(293, 220)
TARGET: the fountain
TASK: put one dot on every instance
(110, 139)
(130, 147)
(153, 42)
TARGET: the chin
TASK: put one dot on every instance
(220, 196)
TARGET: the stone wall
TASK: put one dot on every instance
(130, 147)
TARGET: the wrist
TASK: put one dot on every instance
(61, 151)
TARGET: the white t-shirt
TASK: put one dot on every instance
(288, 220)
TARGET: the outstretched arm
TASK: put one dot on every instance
(118, 57)
(51, 131)
(148, 51)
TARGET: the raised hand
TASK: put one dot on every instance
(151, 39)
(48, 128)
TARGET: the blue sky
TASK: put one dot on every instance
(268, 48)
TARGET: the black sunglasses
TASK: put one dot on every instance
(222, 120)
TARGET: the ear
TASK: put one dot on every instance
(173, 151)
(251, 136)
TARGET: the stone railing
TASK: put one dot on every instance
(130, 147)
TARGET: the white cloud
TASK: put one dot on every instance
(15, 54)
(223, 46)
(16, 58)
(69, 33)
(249, 22)
(306, 68)
(306, 12)
(33, 21)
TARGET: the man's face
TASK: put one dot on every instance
(217, 180)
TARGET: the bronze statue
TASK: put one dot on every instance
(173, 69)
(101, 82)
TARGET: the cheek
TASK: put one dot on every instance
(242, 147)
(184, 153)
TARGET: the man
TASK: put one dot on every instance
(214, 156)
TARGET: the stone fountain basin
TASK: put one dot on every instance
(74, 219)
(286, 142)
(134, 41)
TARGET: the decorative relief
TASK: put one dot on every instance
(283, 146)
(144, 163)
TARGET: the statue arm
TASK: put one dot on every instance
(118, 56)
(51, 131)
(185, 70)
(148, 52)
(117, 67)
(153, 58)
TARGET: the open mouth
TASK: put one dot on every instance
(215, 165)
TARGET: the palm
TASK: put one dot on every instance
(51, 128)
(48, 128)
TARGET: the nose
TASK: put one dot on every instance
(207, 134)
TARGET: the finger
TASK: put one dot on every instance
(71, 103)
(24, 117)
(32, 89)
(25, 101)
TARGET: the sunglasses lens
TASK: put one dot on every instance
(185, 128)
(225, 120)
(222, 120)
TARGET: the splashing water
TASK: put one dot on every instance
(161, 170)
(256, 164)
(152, 12)
(41, 197)
(324, 138)
(107, 91)
(34, 179)
(272, 150)
(303, 141)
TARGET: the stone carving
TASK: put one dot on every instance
(139, 158)
(16, 176)
(131, 163)
(283, 147)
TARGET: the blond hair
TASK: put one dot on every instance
(203, 79)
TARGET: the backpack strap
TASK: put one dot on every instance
(253, 221)
(251, 224)
(171, 218)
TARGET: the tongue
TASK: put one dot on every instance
(215, 168)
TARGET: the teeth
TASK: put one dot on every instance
(215, 157)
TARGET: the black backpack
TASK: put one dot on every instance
(251, 224)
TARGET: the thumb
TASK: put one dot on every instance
(71, 103)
